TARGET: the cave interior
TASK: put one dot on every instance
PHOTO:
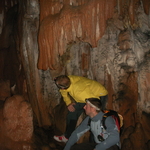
(104, 40)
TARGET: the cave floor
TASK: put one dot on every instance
(42, 138)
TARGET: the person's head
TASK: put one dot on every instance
(93, 106)
(62, 82)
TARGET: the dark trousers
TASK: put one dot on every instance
(90, 146)
(104, 101)
(72, 118)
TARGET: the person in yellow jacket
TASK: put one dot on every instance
(74, 90)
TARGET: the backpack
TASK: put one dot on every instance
(117, 117)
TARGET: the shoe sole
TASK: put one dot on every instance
(55, 138)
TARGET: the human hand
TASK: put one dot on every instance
(71, 107)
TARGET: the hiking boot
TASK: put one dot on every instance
(61, 138)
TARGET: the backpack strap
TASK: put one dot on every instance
(89, 122)
(108, 113)
(103, 120)
(112, 113)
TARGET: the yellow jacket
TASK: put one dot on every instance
(82, 88)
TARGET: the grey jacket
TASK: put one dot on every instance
(111, 134)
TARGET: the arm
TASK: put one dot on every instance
(79, 131)
(65, 96)
(114, 136)
(98, 89)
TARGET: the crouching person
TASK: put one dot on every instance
(104, 139)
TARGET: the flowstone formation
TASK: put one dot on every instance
(104, 40)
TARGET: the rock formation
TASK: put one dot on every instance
(105, 40)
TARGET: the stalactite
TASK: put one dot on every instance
(146, 5)
(87, 22)
(133, 6)
(63, 22)
(131, 11)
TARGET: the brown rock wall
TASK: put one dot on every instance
(18, 119)
(85, 22)
(5, 89)
(90, 38)
(16, 124)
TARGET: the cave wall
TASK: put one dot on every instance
(107, 41)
